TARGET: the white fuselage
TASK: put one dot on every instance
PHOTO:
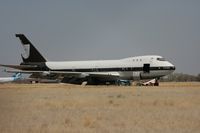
(6, 79)
(15, 77)
(127, 68)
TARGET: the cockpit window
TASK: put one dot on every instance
(161, 59)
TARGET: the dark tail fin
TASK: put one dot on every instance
(31, 53)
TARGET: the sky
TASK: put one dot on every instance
(65, 30)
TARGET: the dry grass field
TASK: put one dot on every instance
(62, 108)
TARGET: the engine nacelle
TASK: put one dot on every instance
(46, 73)
(83, 75)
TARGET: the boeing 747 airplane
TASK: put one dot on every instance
(92, 72)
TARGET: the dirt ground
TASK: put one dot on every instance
(62, 108)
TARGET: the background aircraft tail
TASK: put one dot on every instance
(31, 54)
(17, 76)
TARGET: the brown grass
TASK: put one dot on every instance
(171, 107)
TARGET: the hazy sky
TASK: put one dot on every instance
(103, 29)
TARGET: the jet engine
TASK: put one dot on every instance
(46, 73)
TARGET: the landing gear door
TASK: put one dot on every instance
(146, 68)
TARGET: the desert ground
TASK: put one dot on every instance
(63, 108)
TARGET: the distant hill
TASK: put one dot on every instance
(180, 77)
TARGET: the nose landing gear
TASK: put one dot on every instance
(156, 82)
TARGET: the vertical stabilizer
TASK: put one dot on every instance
(17, 76)
(31, 53)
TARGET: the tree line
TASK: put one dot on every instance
(180, 77)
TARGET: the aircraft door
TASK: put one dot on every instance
(146, 68)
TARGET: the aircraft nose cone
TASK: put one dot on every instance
(174, 68)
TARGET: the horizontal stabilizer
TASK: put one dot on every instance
(20, 67)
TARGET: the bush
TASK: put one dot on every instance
(180, 77)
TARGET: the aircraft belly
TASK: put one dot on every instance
(155, 74)
(137, 75)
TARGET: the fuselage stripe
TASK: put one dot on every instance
(114, 69)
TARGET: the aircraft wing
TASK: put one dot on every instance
(20, 67)
(69, 77)
(58, 74)
(48, 74)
